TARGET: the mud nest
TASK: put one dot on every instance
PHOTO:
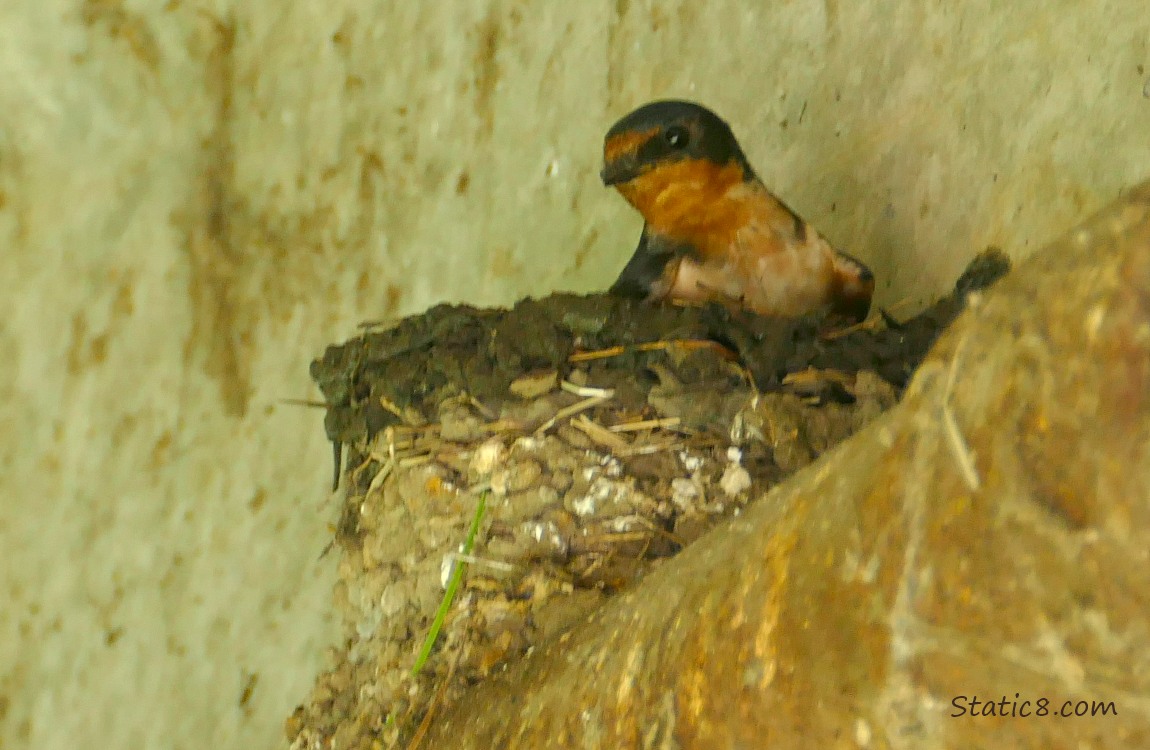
(601, 436)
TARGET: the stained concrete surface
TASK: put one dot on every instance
(193, 199)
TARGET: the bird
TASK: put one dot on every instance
(713, 232)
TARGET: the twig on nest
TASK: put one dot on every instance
(812, 376)
(398, 438)
(686, 344)
(870, 324)
(480, 407)
(600, 434)
(573, 409)
(499, 565)
(586, 391)
(646, 424)
(304, 402)
(958, 444)
(409, 461)
(381, 475)
(425, 723)
(660, 531)
(503, 425)
(612, 351)
(405, 415)
(361, 468)
(647, 449)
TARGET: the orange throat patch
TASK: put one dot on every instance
(693, 201)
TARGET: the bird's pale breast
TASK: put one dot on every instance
(764, 264)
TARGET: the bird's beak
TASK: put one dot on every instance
(621, 170)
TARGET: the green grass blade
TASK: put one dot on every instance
(452, 586)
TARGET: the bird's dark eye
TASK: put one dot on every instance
(677, 137)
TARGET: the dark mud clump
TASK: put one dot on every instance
(401, 375)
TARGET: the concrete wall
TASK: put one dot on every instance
(195, 198)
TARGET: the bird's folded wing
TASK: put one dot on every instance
(651, 269)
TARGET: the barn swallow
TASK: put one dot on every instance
(713, 231)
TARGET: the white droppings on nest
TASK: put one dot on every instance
(528, 443)
(601, 490)
(691, 462)
(584, 506)
(547, 533)
(738, 429)
(392, 600)
(487, 457)
(684, 493)
(366, 627)
(537, 529)
(500, 479)
(446, 567)
(621, 524)
(735, 480)
(611, 466)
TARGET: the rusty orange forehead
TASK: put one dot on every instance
(625, 143)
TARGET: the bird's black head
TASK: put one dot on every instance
(667, 131)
